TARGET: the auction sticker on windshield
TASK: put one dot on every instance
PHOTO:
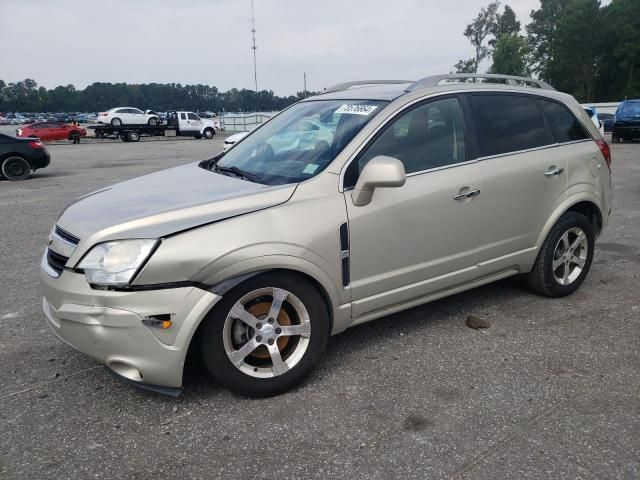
(357, 109)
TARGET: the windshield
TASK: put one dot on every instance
(300, 142)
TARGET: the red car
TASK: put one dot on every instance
(51, 131)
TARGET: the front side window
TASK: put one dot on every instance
(193, 117)
(426, 137)
(507, 123)
(564, 125)
(300, 142)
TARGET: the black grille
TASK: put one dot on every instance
(56, 261)
(67, 236)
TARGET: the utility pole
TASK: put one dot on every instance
(253, 45)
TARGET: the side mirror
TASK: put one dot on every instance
(379, 172)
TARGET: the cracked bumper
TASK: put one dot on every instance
(107, 326)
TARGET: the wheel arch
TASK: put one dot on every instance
(221, 288)
(586, 204)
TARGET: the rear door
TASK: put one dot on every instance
(524, 176)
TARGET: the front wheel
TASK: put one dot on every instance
(565, 257)
(153, 121)
(16, 168)
(266, 335)
(116, 122)
(209, 133)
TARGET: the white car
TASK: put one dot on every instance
(128, 116)
(593, 115)
(233, 139)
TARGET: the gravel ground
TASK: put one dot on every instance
(550, 390)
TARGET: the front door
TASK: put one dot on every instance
(420, 238)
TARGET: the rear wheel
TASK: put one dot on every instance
(116, 122)
(266, 335)
(565, 257)
(153, 121)
(74, 136)
(16, 168)
(133, 136)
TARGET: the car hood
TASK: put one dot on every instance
(166, 202)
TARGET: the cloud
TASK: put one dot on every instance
(208, 41)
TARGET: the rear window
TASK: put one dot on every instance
(564, 125)
(507, 123)
(630, 108)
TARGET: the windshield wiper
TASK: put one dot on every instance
(252, 177)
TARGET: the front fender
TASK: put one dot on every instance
(337, 296)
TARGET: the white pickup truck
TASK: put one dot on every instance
(179, 123)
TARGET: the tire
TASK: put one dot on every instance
(209, 133)
(558, 250)
(133, 137)
(153, 121)
(124, 138)
(15, 168)
(253, 371)
(197, 137)
(74, 136)
(116, 122)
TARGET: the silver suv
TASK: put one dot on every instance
(371, 198)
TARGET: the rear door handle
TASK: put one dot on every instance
(553, 171)
(467, 194)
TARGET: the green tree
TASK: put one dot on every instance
(511, 55)
(541, 33)
(466, 66)
(573, 68)
(620, 50)
(478, 32)
(506, 24)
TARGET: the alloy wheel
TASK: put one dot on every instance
(570, 256)
(267, 332)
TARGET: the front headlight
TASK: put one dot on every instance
(115, 263)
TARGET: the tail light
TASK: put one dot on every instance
(36, 144)
(103, 114)
(606, 151)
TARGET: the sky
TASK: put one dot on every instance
(57, 42)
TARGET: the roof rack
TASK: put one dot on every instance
(347, 85)
(457, 78)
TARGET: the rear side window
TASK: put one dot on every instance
(564, 125)
(183, 116)
(508, 123)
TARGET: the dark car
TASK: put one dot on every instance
(627, 121)
(21, 156)
(607, 120)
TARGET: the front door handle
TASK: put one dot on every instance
(467, 194)
(553, 171)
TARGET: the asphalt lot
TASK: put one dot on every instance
(550, 390)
